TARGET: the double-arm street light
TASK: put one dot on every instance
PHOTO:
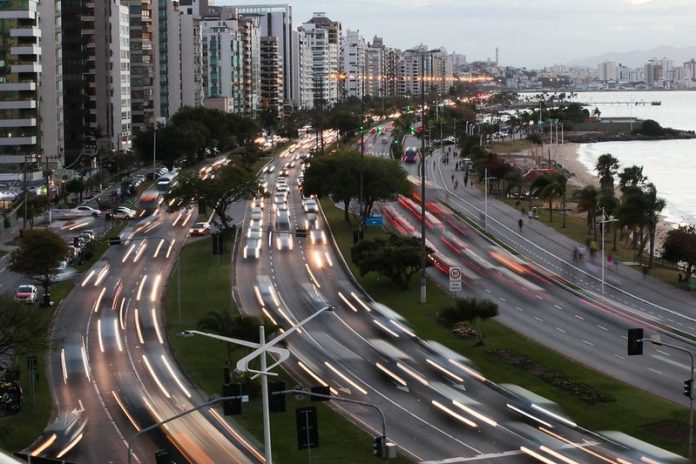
(260, 350)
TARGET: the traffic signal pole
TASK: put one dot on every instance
(635, 346)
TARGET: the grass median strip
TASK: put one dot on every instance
(633, 412)
(206, 286)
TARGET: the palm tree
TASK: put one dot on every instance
(548, 186)
(653, 208)
(607, 166)
(632, 177)
(228, 325)
(587, 199)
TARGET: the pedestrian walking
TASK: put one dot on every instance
(576, 254)
(520, 223)
(530, 215)
(456, 184)
(581, 253)
(452, 177)
(466, 179)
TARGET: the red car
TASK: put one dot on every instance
(26, 294)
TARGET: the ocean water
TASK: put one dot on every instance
(669, 164)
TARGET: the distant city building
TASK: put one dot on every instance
(607, 71)
(354, 78)
(272, 95)
(325, 41)
(143, 54)
(303, 72)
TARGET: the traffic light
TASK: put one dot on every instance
(233, 406)
(688, 388)
(378, 445)
(413, 130)
(276, 401)
(635, 342)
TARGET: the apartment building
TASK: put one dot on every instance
(303, 75)
(324, 38)
(143, 55)
(354, 77)
(272, 85)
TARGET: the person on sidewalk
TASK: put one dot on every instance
(530, 215)
(520, 223)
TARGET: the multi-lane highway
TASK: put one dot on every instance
(436, 408)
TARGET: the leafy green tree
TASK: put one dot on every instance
(339, 177)
(607, 166)
(76, 185)
(588, 198)
(345, 122)
(35, 205)
(680, 247)
(23, 330)
(38, 255)
(550, 186)
(653, 206)
(230, 184)
(470, 310)
(650, 128)
(397, 258)
(632, 177)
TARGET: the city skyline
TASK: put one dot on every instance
(566, 31)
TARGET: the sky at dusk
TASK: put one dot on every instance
(530, 33)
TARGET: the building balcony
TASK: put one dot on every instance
(17, 141)
(23, 14)
(17, 86)
(18, 105)
(28, 122)
(26, 68)
(26, 32)
(26, 50)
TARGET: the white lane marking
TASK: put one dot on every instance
(560, 330)
(603, 328)
(662, 352)
(538, 319)
(580, 317)
(655, 371)
(557, 306)
(619, 356)
(588, 343)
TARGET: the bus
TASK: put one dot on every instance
(149, 201)
(410, 155)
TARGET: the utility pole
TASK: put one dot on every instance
(26, 192)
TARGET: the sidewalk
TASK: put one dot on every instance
(554, 251)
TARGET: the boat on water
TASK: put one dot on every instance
(656, 103)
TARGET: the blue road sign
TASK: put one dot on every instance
(374, 221)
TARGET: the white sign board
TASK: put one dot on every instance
(455, 279)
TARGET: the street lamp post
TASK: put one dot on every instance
(424, 282)
(260, 350)
(603, 222)
(485, 199)
(362, 151)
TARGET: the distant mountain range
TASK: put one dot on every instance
(636, 58)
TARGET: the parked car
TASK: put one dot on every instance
(200, 228)
(27, 294)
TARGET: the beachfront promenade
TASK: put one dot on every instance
(542, 244)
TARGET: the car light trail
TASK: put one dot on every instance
(267, 313)
(45, 445)
(178, 217)
(83, 351)
(237, 436)
(287, 318)
(257, 292)
(475, 413)
(187, 219)
(171, 246)
(137, 326)
(99, 335)
(318, 259)
(576, 445)
(87, 279)
(526, 414)
(454, 414)
(344, 377)
(122, 314)
(555, 416)
(157, 329)
(159, 247)
(176, 379)
(118, 336)
(309, 271)
(557, 455)
(63, 365)
(97, 302)
(118, 288)
(155, 378)
(391, 374)
(70, 446)
(140, 288)
(328, 258)
(141, 250)
(385, 328)
(412, 373)
(128, 253)
(153, 292)
(367, 308)
(347, 302)
(403, 328)
(445, 371)
(536, 455)
(314, 376)
(468, 370)
(125, 411)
